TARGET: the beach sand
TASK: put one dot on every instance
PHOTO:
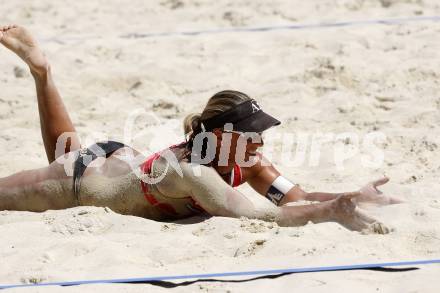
(326, 80)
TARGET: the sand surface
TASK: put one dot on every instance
(357, 79)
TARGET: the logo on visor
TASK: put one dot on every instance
(255, 106)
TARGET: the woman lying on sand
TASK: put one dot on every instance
(187, 185)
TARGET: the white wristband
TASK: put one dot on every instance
(282, 184)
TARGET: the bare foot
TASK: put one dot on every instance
(21, 42)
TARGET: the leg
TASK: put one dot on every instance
(37, 190)
(54, 118)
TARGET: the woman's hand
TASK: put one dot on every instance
(369, 194)
(344, 212)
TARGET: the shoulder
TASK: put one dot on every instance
(172, 171)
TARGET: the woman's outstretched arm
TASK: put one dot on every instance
(261, 176)
(218, 198)
(54, 119)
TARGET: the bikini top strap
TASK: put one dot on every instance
(146, 169)
(236, 176)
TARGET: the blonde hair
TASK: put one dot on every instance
(217, 104)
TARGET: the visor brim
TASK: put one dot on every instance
(257, 122)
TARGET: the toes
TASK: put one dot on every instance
(8, 27)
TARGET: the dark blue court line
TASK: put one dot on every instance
(231, 274)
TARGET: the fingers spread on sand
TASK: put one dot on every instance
(377, 228)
